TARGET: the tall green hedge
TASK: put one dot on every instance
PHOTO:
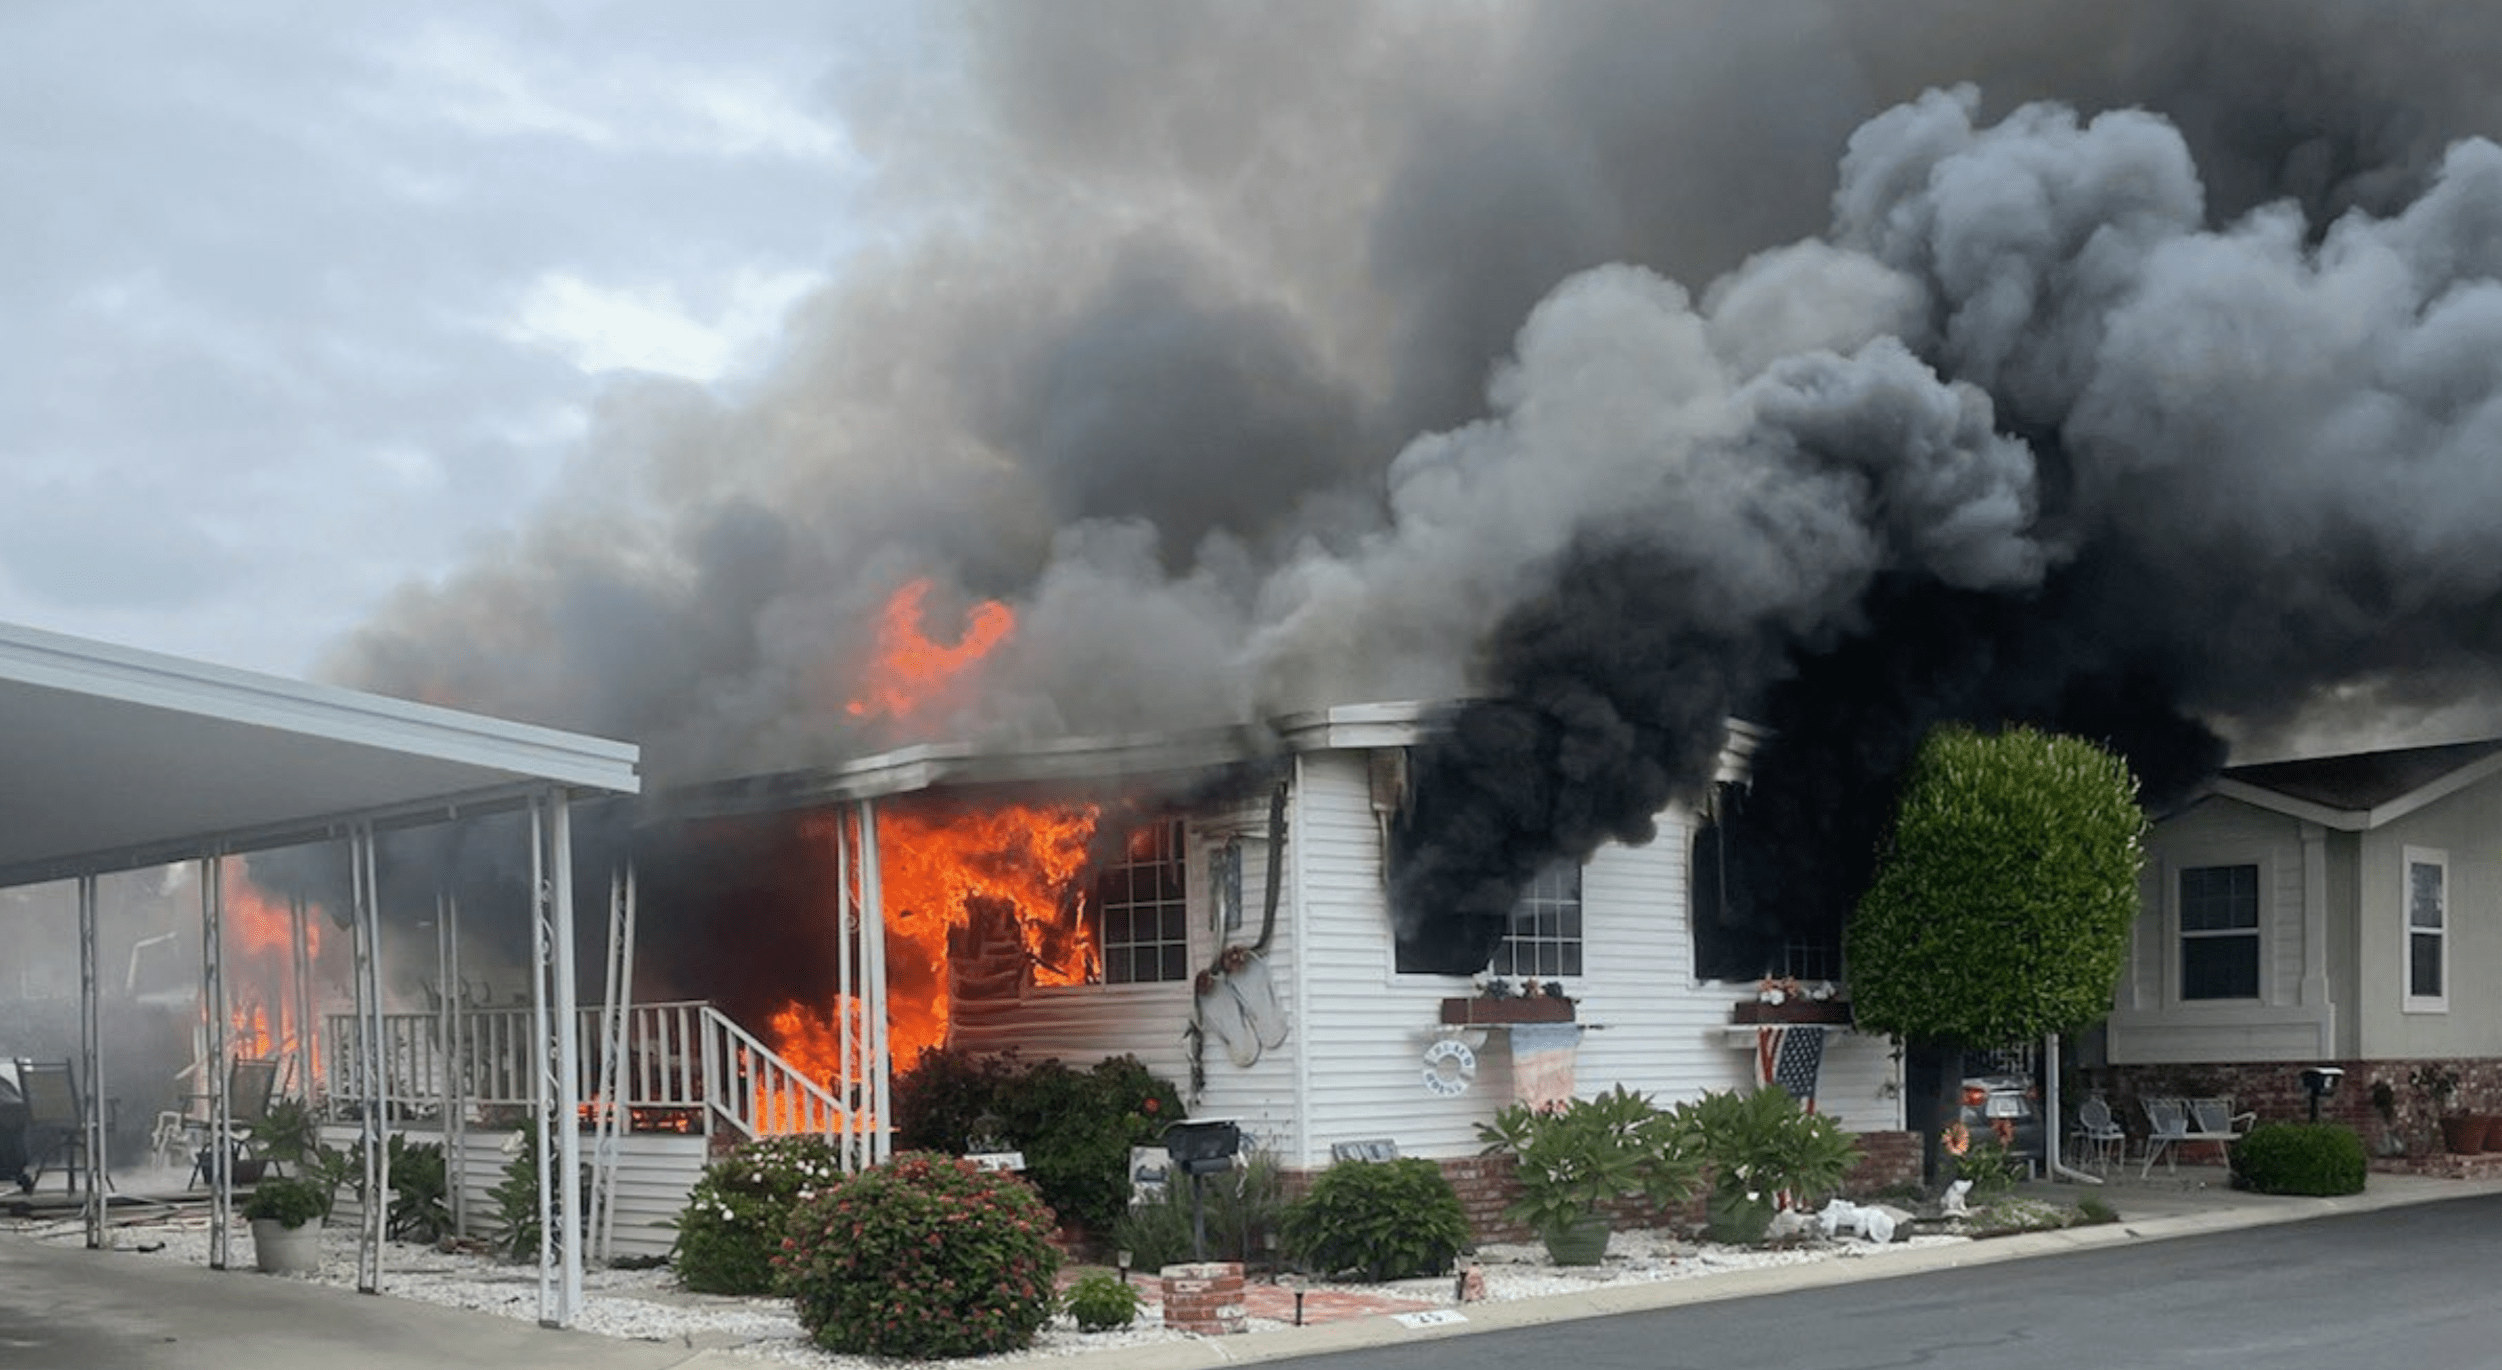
(2003, 898)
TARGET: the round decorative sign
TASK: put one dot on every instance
(1449, 1066)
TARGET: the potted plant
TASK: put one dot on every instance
(286, 1213)
(1576, 1156)
(2462, 1134)
(1764, 1153)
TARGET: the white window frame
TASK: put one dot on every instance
(1176, 833)
(2409, 858)
(2176, 982)
(1559, 890)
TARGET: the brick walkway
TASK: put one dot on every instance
(1276, 1303)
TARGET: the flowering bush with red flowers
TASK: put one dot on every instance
(926, 1257)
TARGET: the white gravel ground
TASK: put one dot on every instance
(647, 1305)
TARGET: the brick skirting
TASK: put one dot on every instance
(1887, 1160)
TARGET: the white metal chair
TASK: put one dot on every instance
(2167, 1125)
(2098, 1134)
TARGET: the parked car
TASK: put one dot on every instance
(2009, 1106)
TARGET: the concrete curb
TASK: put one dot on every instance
(2217, 1213)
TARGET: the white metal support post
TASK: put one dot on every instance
(542, 1057)
(873, 975)
(300, 951)
(91, 1063)
(847, 1072)
(213, 1064)
(373, 1059)
(568, 1059)
(456, 1050)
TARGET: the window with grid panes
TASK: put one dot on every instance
(1545, 939)
(1142, 922)
(2220, 932)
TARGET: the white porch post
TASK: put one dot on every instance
(213, 1067)
(91, 1063)
(374, 1060)
(568, 1059)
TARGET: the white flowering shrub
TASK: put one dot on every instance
(737, 1215)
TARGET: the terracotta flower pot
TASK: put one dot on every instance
(2463, 1134)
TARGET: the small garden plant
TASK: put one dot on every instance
(926, 1257)
(1240, 1209)
(1579, 1154)
(740, 1208)
(1386, 1220)
(1762, 1147)
(1100, 1303)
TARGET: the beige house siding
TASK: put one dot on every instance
(2466, 828)
(2293, 1016)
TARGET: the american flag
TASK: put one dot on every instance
(1791, 1057)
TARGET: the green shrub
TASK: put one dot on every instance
(421, 1209)
(516, 1197)
(1075, 1128)
(737, 1213)
(288, 1201)
(1580, 1154)
(1241, 1210)
(1759, 1145)
(922, 1258)
(2299, 1158)
(1386, 1220)
(1101, 1303)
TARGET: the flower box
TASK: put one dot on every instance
(1481, 1011)
(1794, 1011)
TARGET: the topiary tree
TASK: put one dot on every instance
(2002, 902)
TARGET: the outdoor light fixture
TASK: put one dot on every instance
(2319, 1082)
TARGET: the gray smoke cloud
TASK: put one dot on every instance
(1630, 365)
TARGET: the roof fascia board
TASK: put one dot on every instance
(243, 841)
(31, 656)
(2344, 820)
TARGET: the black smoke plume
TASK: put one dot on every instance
(2122, 367)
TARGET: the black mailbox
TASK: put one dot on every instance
(2319, 1082)
(1203, 1147)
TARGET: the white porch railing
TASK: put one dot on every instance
(686, 1067)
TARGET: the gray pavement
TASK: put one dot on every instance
(69, 1307)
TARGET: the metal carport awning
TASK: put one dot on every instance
(116, 759)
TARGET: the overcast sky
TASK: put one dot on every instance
(304, 299)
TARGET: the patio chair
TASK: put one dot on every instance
(56, 1128)
(250, 1083)
(2099, 1134)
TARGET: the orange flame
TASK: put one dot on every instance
(910, 669)
(260, 969)
(976, 903)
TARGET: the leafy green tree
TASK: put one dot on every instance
(2001, 907)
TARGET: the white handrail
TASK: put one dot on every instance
(683, 1063)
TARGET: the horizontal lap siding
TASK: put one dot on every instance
(1653, 1028)
(655, 1172)
(1369, 1027)
(1083, 1024)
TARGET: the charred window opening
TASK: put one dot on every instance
(1142, 908)
(1745, 927)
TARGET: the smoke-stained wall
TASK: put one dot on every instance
(2121, 367)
